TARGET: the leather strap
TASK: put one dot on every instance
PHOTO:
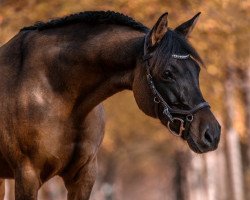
(167, 110)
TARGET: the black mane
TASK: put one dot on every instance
(90, 17)
(172, 42)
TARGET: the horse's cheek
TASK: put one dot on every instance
(143, 95)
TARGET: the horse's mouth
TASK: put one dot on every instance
(196, 147)
(193, 145)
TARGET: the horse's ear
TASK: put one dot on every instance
(159, 30)
(187, 27)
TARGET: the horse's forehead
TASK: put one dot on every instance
(185, 66)
(177, 65)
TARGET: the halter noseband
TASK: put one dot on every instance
(168, 112)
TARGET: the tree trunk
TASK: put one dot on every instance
(232, 140)
(195, 178)
(247, 92)
(2, 188)
(9, 189)
(244, 75)
(180, 179)
(216, 174)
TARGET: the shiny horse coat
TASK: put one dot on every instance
(54, 76)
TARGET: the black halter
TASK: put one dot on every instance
(168, 112)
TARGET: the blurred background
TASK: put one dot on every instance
(139, 159)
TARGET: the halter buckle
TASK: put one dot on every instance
(181, 127)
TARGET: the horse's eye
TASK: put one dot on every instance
(168, 75)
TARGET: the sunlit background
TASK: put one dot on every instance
(139, 159)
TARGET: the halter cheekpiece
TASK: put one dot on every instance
(168, 112)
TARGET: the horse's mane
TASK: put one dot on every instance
(90, 17)
(172, 42)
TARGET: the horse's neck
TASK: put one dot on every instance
(106, 64)
(84, 66)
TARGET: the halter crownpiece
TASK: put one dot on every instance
(169, 112)
(182, 57)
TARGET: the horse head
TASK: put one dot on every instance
(166, 85)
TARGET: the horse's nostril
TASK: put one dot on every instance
(208, 137)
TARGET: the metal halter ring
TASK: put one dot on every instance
(189, 118)
(156, 100)
(181, 127)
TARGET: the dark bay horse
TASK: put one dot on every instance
(54, 75)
